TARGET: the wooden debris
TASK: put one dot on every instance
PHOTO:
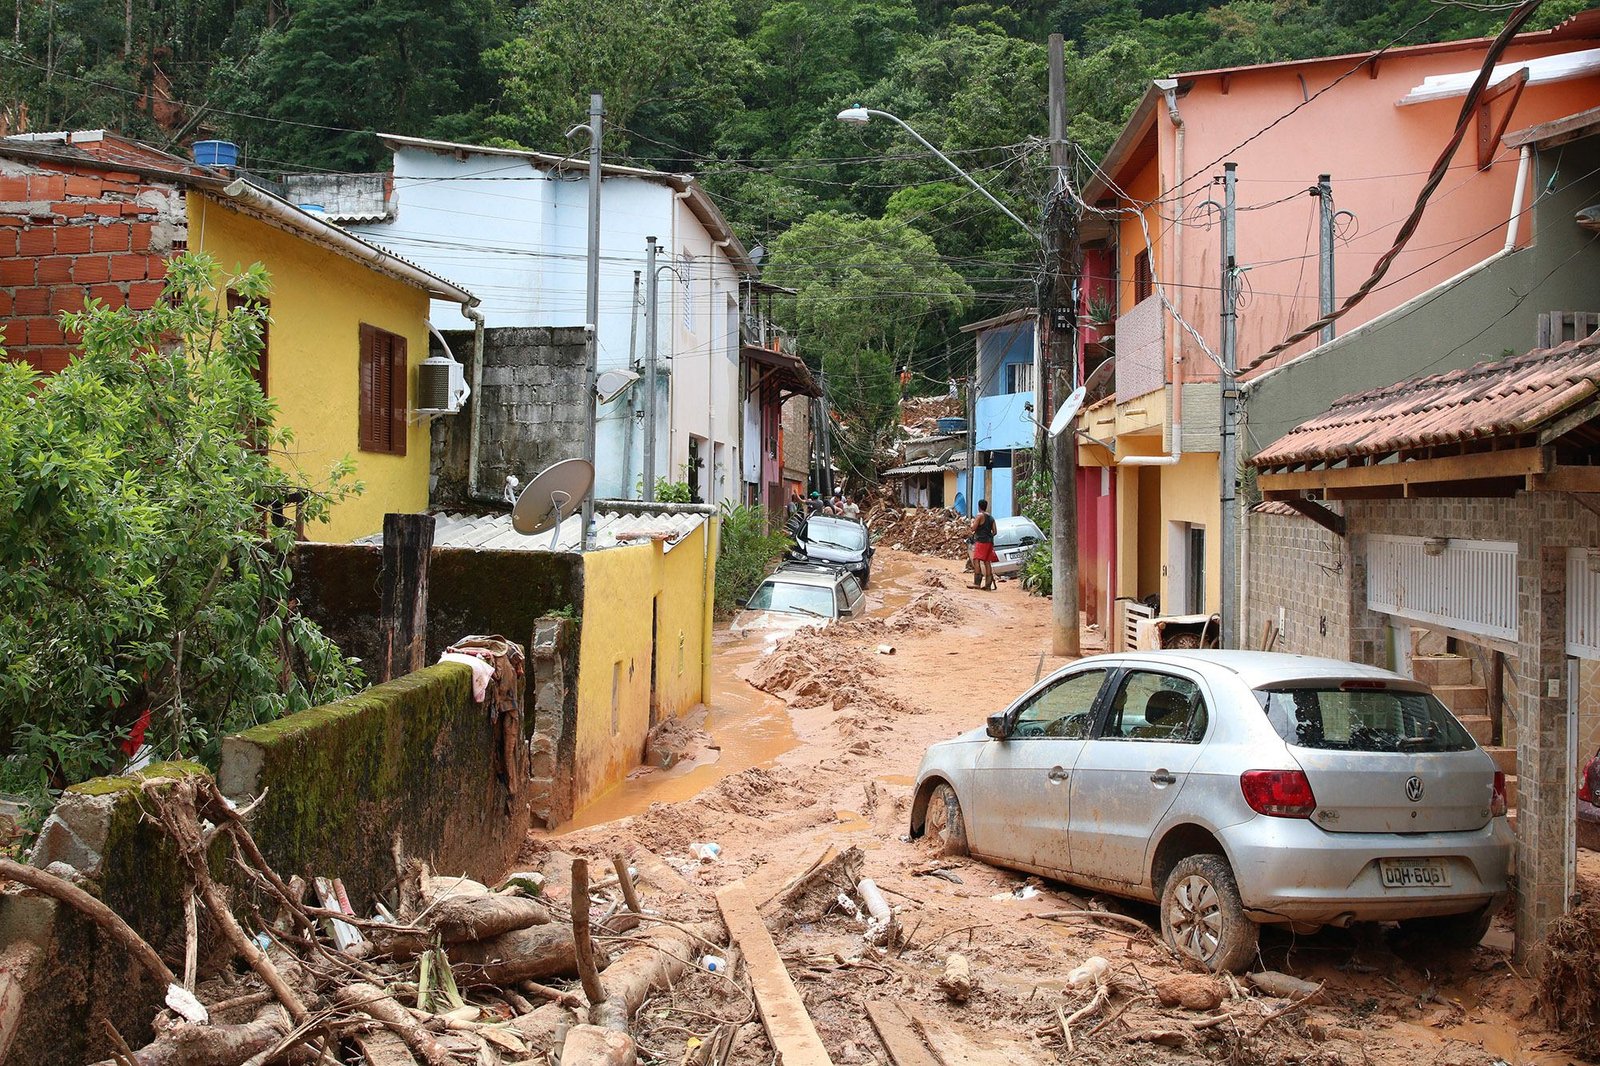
(209, 1045)
(1282, 985)
(812, 895)
(590, 1045)
(91, 908)
(900, 1037)
(789, 1027)
(534, 953)
(956, 983)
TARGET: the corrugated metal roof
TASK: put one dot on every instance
(1507, 398)
(494, 532)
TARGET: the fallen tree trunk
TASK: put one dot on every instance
(534, 953)
(664, 955)
(380, 1006)
(211, 1045)
(461, 918)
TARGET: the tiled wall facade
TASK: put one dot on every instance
(1315, 577)
(69, 235)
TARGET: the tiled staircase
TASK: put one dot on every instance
(1454, 680)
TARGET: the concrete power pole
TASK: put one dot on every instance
(597, 113)
(1228, 460)
(651, 307)
(1324, 194)
(1061, 250)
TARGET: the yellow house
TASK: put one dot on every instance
(349, 325)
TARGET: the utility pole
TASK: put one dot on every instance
(1228, 461)
(651, 306)
(972, 438)
(597, 113)
(1324, 195)
(1062, 252)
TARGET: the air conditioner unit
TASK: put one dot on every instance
(441, 386)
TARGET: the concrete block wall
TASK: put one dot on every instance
(68, 235)
(530, 410)
(1299, 573)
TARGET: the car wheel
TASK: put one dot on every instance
(1452, 931)
(943, 823)
(1202, 917)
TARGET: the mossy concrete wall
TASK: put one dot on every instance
(58, 971)
(415, 757)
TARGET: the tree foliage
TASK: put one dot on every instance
(140, 564)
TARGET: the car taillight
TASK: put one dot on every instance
(1585, 789)
(1497, 803)
(1279, 793)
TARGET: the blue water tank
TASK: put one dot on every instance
(223, 154)
(952, 425)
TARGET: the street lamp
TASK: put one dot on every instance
(860, 116)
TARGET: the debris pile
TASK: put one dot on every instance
(446, 970)
(920, 415)
(1569, 989)
(924, 530)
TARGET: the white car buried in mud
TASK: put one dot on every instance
(1233, 789)
(799, 596)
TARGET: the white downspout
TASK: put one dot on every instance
(475, 398)
(1169, 87)
(1516, 198)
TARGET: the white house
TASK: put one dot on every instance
(512, 225)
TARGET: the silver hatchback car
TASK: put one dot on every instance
(1233, 789)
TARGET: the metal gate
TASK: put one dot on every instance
(1466, 585)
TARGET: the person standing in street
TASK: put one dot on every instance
(983, 556)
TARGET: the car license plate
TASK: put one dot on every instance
(1413, 873)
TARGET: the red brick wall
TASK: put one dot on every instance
(72, 233)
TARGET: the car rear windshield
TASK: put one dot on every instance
(796, 599)
(1346, 718)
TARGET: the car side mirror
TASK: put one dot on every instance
(999, 725)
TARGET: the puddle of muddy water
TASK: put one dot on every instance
(750, 727)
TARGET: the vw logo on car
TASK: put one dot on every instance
(1414, 789)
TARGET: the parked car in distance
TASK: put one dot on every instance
(798, 596)
(1012, 539)
(838, 542)
(1588, 808)
(1233, 789)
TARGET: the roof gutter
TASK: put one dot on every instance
(286, 216)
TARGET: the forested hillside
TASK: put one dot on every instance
(890, 253)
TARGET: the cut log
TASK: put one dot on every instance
(211, 1045)
(956, 983)
(534, 953)
(457, 918)
(789, 1027)
(1282, 985)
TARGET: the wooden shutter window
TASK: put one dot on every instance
(236, 301)
(382, 422)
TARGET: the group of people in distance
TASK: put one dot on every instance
(838, 506)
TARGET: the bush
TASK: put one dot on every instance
(746, 551)
(673, 491)
(142, 577)
(1038, 574)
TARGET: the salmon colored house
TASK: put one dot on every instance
(1375, 124)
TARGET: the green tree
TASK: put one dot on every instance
(864, 290)
(140, 563)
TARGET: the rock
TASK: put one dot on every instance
(590, 1045)
(956, 983)
(1191, 991)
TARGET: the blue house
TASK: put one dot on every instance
(1004, 417)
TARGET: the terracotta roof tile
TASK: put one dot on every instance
(1503, 398)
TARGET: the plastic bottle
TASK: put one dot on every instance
(708, 852)
(713, 963)
(1092, 971)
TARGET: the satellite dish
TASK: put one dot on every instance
(613, 383)
(1067, 411)
(556, 490)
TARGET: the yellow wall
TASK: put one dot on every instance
(1191, 493)
(319, 300)
(616, 659)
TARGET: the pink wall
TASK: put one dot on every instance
(1377, 154)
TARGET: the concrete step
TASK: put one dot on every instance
(1436, 670)
(1481, 726)
(1427, 641)
(1505, 759)
(1463, 699)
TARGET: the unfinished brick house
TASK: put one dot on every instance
(93, 217)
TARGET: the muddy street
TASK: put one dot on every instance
(810, 750)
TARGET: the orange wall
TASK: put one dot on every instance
(1378, 155)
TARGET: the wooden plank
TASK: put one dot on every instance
(1566, 479)
(1332, 521)
(789, 1027)
(403, 602)
(1513, 462)
(899, 1036)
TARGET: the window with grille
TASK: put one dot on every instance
(383, 391)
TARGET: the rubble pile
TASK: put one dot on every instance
(444, 970)
(920, 414)
(926, 531)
